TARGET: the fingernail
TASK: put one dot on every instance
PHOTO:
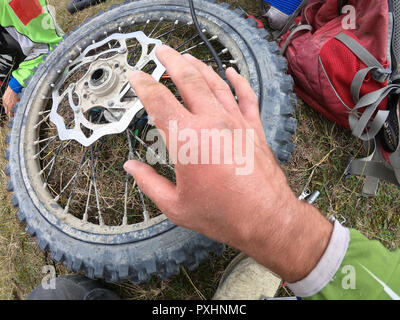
(230, 69)
(131, 165)
(126, 165)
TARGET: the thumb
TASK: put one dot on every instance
(159, 189)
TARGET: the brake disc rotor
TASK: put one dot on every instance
(104, 88)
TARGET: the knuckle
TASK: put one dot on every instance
(250, 99)
(190, 75)
(222, 87)
(149, 90)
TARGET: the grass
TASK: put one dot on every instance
(321, 155)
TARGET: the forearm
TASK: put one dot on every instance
(291, 242)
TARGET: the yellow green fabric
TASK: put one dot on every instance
(39, 30)
(368, 271)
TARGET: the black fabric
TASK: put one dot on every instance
(341, 4)
(74, 287)
(10, 54)
(389, 134)
(2, 39)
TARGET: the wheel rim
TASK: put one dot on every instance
(96, 205)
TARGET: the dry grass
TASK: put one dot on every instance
(322, 151)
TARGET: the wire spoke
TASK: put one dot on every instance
(173, 29)
(70, 180)
(85, 215)
(197, 45)
(145, 212)
(188, 41)
(54, 159)
(94, 181)
(155, 27)
(130, 157)
(163, 161)
(75, 178)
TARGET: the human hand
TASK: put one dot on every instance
(10, 99)
(255, 212)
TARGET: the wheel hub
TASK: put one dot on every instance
(104, 88)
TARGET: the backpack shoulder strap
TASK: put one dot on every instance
(373, 167)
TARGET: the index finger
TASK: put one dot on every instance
(190, 82)
(160, 104)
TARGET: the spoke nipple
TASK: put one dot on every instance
(224, 50)
(52, 85)
(203, 30)
(119, 29)
(148, 21)
(93, 41)
(44, 185)
(214, 37)
(176, 22)
(70, 61)
(58, 71)
(162, 18)
(233, 61)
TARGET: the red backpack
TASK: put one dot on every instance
(343, 56)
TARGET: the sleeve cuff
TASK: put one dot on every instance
(15, 85)
(327, 267)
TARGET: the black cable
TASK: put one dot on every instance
(221, 70)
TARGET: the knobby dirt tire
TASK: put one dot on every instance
(159, 251)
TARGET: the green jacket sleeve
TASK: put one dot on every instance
(368, 271)
(31, 24)
(352, 267)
